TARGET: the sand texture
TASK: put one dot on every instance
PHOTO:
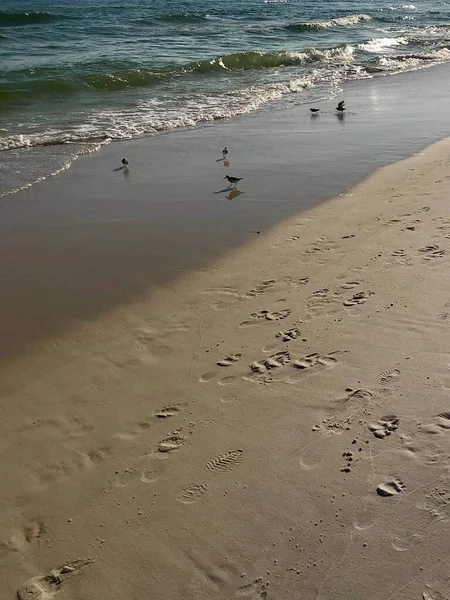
(274, 426)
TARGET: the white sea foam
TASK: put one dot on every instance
(400, 63)
(338, 22)
(378, 45)
(403, 7)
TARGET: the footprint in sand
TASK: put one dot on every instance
(349, 285)
(148, 469)
(152, 468)
(441, 423)
(356, 402)
(402, 258)
(256, 590)
(274, 361)
(225, 462)
(192, 493)
(297, 282)
(391, 487)
(229, 360)
(358, 298)
(34, 531)
(289, 334)
(431, 252)
(261, 288)
(207, 376)
(312, 364)
(261, 370)
(429, 248)
(316, 360)
(229, 380)
(322, 303)
(318, 250)
(388, 376)
(45, 586)
(169, 411)
(385, 426)
(19, 539)
(220, 464)
(293, 238)
(322, 293)
(434, 255)
(126, 476)
(135, 430)
(266, 315)
(171, 442)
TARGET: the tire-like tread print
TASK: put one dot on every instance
(225, 462)
(192, 493)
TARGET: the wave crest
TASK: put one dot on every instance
(338, 22)
(45, 83)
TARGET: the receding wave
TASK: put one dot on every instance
(147, 118)
(16, 19)
(338, 22)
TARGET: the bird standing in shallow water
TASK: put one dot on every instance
(225, 153)
(124, 162)
(340, 107)
(233, 180)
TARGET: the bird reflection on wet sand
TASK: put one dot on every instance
(233, 194)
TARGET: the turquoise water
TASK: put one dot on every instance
(78, 74)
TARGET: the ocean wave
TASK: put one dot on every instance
(378, 45)
(337, 22)
(16, 19)
(149, 117)
(42, 82)
(411, 61)
(246, 61)
(403, 7)
(183, 18)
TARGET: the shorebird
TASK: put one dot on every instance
(124, 162)
(233, 180)
(224, 153)
(340, 107)
(314, 110)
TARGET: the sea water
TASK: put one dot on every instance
(78, 74)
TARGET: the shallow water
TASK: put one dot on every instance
(79, 74)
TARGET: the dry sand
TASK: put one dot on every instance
(277, 425)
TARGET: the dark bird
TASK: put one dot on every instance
(340, 107)
(314, 110)
(233, 180)
(124, 161)
(224, 153)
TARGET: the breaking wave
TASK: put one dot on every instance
(338, 22)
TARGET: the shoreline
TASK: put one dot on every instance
(90, 239)
(241, 431)
(89, 147)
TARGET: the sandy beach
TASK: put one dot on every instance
(90, 239)
(274, 425)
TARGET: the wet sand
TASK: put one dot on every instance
(275, 426)
(91, 239)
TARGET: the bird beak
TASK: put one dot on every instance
(225, 177)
